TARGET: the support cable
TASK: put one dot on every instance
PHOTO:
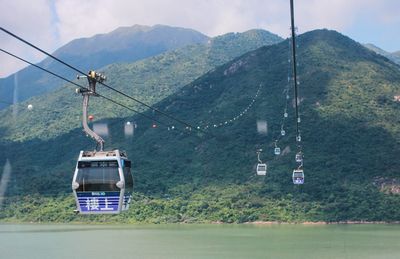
(188, 125)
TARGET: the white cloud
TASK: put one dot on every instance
(31, 21)
(75, 18)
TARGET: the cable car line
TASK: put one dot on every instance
(238, 116)
(294, 68)
(83, 87)
(169, 127)
(282, 131)
(107, 86)
(298, 174)
(41, 50)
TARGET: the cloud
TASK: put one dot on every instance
(215, 17)
(33, 23)
(52, 23)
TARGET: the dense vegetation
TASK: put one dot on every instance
(350, 128)
(150, 80)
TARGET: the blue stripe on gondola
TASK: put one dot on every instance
(98, 202)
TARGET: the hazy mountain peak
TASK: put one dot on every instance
(249, 35)
(394, 56)
(125, 44)
(129, 36)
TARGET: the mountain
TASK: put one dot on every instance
(394, 56)
(151, 79)
(350, 136)
(125, 44)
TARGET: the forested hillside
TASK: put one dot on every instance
(350, 128)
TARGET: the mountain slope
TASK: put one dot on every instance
(394, 56)
(350, 132)
(150, 80)
(125, 44)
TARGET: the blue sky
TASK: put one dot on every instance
(53, 23)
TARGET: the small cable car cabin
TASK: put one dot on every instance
(299, 157)
(277, 151)
(102, 182)
(298, 176)
(261, 169)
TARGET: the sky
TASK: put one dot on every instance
(50, 24)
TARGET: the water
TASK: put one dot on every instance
(199, 241)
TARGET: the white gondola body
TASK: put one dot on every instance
(261, 169)
(102, 182)
(298, 176)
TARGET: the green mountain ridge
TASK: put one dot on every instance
(125, 44)
(350, 132)
(394, 56)
(152, 79)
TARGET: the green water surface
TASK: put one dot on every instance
(200, 241)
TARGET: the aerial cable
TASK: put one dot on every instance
(189, 126)
(294, 70)
(237, 116)
(78, 85)
(282, 131)
(298, 174)
(41, 50)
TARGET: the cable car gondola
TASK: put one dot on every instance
(102, 182)
(298, 176)
(261, 169)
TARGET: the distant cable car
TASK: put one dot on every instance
(277, 151)
(102, 182)
(298, 176)
(261, 169)
(299, 157)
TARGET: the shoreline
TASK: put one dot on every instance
(348, 222)
(307, 223)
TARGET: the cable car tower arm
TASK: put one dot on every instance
(92, 77)
(89, 131)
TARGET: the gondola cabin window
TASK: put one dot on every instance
(97, 175)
